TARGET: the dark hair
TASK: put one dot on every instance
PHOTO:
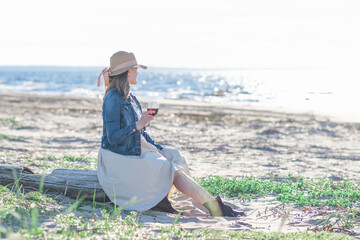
(121, 83)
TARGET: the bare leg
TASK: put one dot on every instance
(215, 206)
(188, 186)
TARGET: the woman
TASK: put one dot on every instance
(134, 171)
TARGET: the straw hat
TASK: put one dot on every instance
(122, 61)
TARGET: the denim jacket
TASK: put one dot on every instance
(119, 125)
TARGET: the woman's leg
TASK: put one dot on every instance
(188, 186)
(215, 206)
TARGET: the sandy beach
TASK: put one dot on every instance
(228, 141)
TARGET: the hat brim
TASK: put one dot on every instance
(120, 71)
(141, 66)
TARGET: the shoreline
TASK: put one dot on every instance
(237, 107)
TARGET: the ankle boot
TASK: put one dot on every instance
(218, 209)
(165, 206)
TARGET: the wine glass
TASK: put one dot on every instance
(153, 105)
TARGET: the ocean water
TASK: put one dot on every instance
(332, 92)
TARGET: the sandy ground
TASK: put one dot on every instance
(229, 141)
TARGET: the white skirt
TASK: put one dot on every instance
(139, 182)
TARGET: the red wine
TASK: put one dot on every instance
(153, 109)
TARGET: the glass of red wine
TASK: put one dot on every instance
(153, 105)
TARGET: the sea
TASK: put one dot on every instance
(330, 92)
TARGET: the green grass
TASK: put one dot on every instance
(9, 137)
(19, 210)
(20, 214)
(309, 192)
(8, 120)
(61, 124)
(67, 161)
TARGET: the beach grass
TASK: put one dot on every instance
(67, 161)
(338, 200)
(9, 120)
(8, 137)
(23, 214)
(306, 192)
(20, 216)
(62, 124)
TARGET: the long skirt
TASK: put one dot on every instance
(139, 182)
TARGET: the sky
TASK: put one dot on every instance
(182, 34)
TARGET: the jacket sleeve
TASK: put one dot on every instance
(112, 116)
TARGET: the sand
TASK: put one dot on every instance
(229, 141)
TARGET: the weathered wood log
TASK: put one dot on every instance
(73, 183)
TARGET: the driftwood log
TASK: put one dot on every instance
(73, 183)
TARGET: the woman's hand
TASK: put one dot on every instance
(145, 118)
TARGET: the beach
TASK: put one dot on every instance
(216, 139)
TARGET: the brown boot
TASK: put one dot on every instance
(218, 209)
(165, 206)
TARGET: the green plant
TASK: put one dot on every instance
(67, 161)
(8, 120)
(61, 124)
(339, 220)
(313, 192)
(8, 137)
(21, 216)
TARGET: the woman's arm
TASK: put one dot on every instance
(115, 134)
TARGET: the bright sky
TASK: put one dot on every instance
(187, 33)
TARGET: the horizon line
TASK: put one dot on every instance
(2, 67)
